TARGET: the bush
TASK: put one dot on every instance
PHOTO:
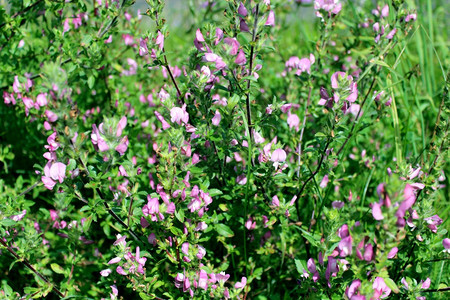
(262, 150)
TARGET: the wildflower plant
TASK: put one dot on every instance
(269, 149)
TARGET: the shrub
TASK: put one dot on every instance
(252, 155)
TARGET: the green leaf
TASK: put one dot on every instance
(7, 222)
(299, 265)
(214, 192)
(57, 268)
(179, 214)
(91, 81)
(224, 230)
(391, 284)
(72, 164)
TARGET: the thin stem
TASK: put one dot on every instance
(166, 65)
(102, 33)
(22, 12)
(438, 118)
(446, 289)
(357, 116)
(302, 131)
(113, 214)
(29, 266)
(28, 189)
(252, 49)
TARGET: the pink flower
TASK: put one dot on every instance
(275, 201)
(105, 273)
(433, 222)
(293, 121)
(234, 45)
(376, 211)
(391, 34)
(250, 224)
(160, 118)
(121, 271)
(201, 252)
(337, 76)
(160, 40)
(353, 288)
(48, 182)
(426, 284)
(410, 199)
(243, 26)
(345, 246)
(240, 58)
(278, 155)
(380, 289)
(115, 260)
(58, 172)
(199, 36)
(331, 6)
(41, 99)
(242, 284)
(324, 182)
(19, 217)
(241, 179)
(97, 139)
(216, 119)
(152, 206)
(121, 125)
(446, 244)
(143, 49)
(123, 145)
(270, 19)
(203, 280)
(179, 115)
(410, 17)
(392, 253)
(385, 11)
(185, 248)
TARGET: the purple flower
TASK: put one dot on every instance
(243, 26)
(242, 10)
(433, 222)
